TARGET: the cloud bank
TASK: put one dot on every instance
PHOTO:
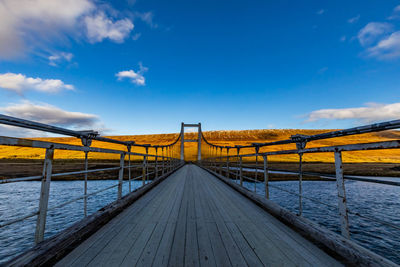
(34, 24)
(45, 113)
(49, 114)
(19, 84)
(371, 112)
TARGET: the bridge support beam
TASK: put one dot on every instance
(344, 219)
(183, 125)
(44, 195)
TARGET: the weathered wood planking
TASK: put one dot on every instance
(53, 249)
(341, 248)
(193, 219)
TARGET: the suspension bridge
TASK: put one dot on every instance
(197, 213)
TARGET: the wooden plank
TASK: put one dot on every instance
(164, 250)
(100, 238)
(149, 252)
(55, 248)
(128, 249)
(266, 226)
(246, 250)
(206, 255)
(346, 250)
(234, 253)
(254, 235)
(193, 219)
(89, 249)
(178, 244)
(191, 246)
(217, 245)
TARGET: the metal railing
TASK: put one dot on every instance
(162, 165)
(231, 166)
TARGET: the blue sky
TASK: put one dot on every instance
(137, 67)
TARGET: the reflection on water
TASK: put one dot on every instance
(375, 200)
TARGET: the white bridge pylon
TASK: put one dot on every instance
(183, 125)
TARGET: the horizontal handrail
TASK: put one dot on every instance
(376, 127)
(88, 134)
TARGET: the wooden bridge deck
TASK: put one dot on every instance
(193, 219)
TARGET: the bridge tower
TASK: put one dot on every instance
(198, 140)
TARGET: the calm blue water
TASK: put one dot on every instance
(374, 200)
(22, 198)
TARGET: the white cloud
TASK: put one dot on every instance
(343, 38)
(29, 25)
(49, 114)
(147, 17)
(100, 27)
(135, 77)
(58, 58)
(372, 31)
(387, 48)
(19, 83)
(353, 19)
(396, 13)
(370, 113)
(320, 12)
(136, 36)
(28, 21)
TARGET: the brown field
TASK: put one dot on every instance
(373, 162)
(225, 138)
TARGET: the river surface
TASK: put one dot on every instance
(373, 200)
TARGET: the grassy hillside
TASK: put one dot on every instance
(227, 138)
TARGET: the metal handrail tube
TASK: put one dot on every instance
(376, 127)
(22, 179)
(351, 147)
(9, 120)
(331, 177)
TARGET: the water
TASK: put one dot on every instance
(22, 198)
(375, 200)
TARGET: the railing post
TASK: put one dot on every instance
(237, 159)
(220, 161)
(129, 168)
(85, 185)
(156, 163)
(199, 143)
(121, 174)
(227, 162)
(44, 195)
(241, 171)
(266, 176)
(147, 164)
(344, 220)
(257, 148)
(144, 170)
(300, 184)
(163, 160)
